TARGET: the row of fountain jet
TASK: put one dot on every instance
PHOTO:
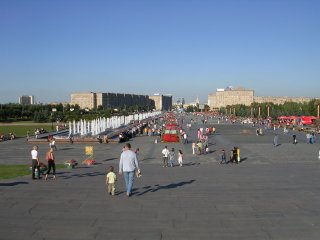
(99, 125)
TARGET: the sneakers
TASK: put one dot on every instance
(46, 177)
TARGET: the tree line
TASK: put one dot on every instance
(59, 112)
(275, 110)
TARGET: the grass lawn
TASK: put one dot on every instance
(21, 130)
(13, 171)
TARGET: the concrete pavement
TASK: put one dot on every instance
(272, 194)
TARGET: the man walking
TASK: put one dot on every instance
(165, 155)
(128, 165)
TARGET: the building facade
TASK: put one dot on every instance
(84, 100)
(162, 102)
(230, 96)
(26, 100)
(281, 100)
(110, 100)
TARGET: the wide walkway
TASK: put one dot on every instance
(272, 194)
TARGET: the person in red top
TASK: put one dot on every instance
(51, 163)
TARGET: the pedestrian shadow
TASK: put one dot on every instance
(210, 151)
(93, 174)
(64, 149)
(11, 184)
(158, 187)
(119, 193)
(211, 144)
(109, 159)
(243, 159)
(146, 159)
(190, 164)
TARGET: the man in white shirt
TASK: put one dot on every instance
(35, 162)
(165, 155)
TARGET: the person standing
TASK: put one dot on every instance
(294, 139)
(223, 157)
(194, 148)
(199, 147)
(171, 157)
(165, 155)
(111, 179)
(51, 164)
(275, 140)
(35, 162)
(128, 165)
(180, 158)
(185, 138)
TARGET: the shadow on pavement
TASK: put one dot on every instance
(190, 164)
(158, 187)
(109, 159)
(12, 184)
(146, 159)
(243, 159)
(63, 149)
(93, 174)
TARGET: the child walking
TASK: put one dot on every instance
(171, 157)
(111, 179)
(180, 158)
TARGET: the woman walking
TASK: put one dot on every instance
(51, 163)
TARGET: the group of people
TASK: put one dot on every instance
(200, 147)
(9, 136)
(36, 173)
(169, 157)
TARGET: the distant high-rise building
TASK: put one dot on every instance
(92, 100)
(26, 100)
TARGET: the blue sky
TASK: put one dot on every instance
(187, 48)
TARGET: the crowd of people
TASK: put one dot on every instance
(129, 164)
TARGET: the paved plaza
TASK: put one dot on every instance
(273, 193)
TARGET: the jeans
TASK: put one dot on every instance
(128, 178)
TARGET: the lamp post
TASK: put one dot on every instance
(52, 111)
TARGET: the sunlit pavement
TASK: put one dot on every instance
(272, 194)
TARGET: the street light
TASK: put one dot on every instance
(52, 111)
